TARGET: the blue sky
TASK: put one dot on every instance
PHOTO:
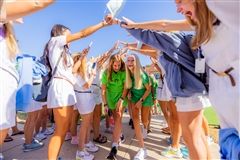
(78, 14)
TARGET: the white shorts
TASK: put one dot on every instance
(97, 94)
(189, 104)
(60, 94)
(8, 89)
(85, 102)
(163, 92)
(35, 106)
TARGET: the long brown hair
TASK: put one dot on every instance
(114, 58)
(203, 23)
(58, 30)
(11, 41)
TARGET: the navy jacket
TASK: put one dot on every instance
(178, 60)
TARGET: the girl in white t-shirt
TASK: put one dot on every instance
(97, 93)
(61, 95)
(9, 79)
(11, 10)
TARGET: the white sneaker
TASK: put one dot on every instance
(40, 137)
(74, 140)
(210, 140)
(141, 155)
(48, 131)
(1, 156)
(68, 136)
(172, 153)
(144, 132)
(91, 147)
(182, 141)
(84, 155)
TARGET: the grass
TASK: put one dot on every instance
(211, 116)
(213, 122)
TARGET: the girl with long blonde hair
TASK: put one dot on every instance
(85, 105)
(8, 50)
(137, 81)
(9, 79)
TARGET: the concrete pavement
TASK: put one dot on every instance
(155, 143)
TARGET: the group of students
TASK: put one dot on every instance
(216, 26)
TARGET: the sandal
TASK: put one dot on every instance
(100, 139)
(17, 133)
(8, 139)
(166, 131)
(149, 130)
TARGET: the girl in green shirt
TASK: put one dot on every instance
(113, 96)
(138, 83)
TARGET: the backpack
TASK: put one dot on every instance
(40, 90)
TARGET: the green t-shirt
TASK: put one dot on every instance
(114, 88)
(136, 94)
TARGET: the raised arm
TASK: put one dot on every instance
(145, 49)
(158, 25)
(155, 63)
(78, 63)
(88, 84)
(86, 32)
(106, 55)
(20, 8)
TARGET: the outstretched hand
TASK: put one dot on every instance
(110, 20)
(114, 47)
(154, 61)
(85, 52)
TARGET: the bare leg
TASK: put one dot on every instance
(137, 128)
(206, 134)
(73, 123)
(145, 111)
(164, 107)
(205, 126)
(30, 126)
(175, 127)
(62, 116)
(3, 134)
(39, 121)
(45, 118)
(149, 121)
(96, 120)
(85, 125)
(191, 123)
(118, 124)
